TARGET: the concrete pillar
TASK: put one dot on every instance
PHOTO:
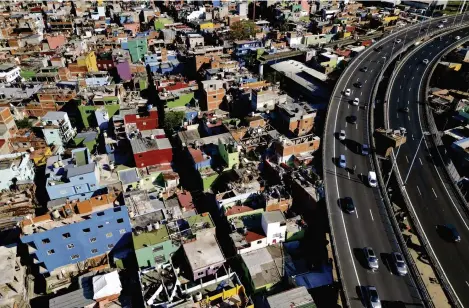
(261, 70)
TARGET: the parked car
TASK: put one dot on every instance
(373, 297)
(342, 135)
(372, 179)
(347, 205)
(371, 259)
(399, 263)
(342, 161)
(365, 149)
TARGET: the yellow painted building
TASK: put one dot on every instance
(206, 25)
(388, 19)
(236, 292)
(40, 156)
(88, 60)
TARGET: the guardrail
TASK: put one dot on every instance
(325, 135)
(422, 289)
(436, 266)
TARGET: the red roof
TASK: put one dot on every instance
(172, 87)
(253, 236)
(197, 155)
(185, 200)
(237, 209)
(2, 142)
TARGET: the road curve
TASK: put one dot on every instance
(432, 199)
(369, 225)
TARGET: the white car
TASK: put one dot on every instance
(441, 26)
(347, 92)
(425, 61)
(342, 135)
(372, 179)
(356, 101)
(458, 37)
(444, 21)
(398, 41)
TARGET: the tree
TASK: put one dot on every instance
(24, 123)
(173, 120)
(242, 30)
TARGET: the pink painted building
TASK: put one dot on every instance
(56, 41)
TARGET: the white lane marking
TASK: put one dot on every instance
(397, 114)
(408, 117)
(345, 124)
(356, 212)
(371, 215)
(404, 76)
(406, 159)
(420, 161)
(371, 70)
(348, 175)
(398, 99)
(361, 93)
(356, 126)
(467, 283)
(366, 80)
(412, 77)
(434, 193)
(400, 86)
(408, 102)
(410, 89)
(419, 190)
(418, 68)
(348, 106)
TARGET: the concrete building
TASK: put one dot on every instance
(57, 128)
(15, 169)
(295, 118)
(147, 151)
(8, 126)
(213, 94)
(274, 226)
(9, 72)
(12, 280)
(72, 178)
(296, 297)
(266, 99)
(76, 232)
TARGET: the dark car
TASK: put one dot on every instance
(364, 69)
(449, 232)
(379, 48)
(347, 205)
(352, 119)
(405, 109)
(358, 84)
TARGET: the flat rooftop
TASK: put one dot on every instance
(203, 252)
(142, 145)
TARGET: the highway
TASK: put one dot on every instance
(432, 199)
(369, 225)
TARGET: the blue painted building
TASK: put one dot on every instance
(243, 47)
(75, 178)
(71, 243)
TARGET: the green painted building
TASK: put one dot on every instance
(229, 153)
(208, 176)
(160, 22)
(86, 139)
(88, 116)
(138, 47)
(177, 99)
(153, 248)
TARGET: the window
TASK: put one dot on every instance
(70, 246)
(51, 133)
(110, 246)
(215, 96)
(92, 240)
(144, 123)
(100, 226)
(80, 178)
(50, 252)
(158, 248)
(74, 257)
(259, 242)
(45, 241)
(120, 220)
(109, 234)
(92, 185)
(122, 231)
(94, 250)
(86, 230)
(117, 209)
(66, 235)
(100, 214)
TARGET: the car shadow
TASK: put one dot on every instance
(361, 294)
(353, 146)
(364, 179)
(387, 261)
(393, 304)
(444, 233)
(360, 257)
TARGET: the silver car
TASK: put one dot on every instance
(371, 258)
(373, 297)
(401, 267)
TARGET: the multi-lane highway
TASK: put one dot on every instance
(431, 198)
(369, 225)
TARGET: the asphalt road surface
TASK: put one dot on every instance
(432, 198)
(369, 225)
